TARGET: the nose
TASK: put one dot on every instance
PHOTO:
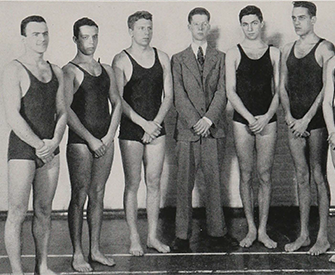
(250, 27)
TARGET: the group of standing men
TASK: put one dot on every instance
(92, 98)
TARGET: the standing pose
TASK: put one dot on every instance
(89, 87)
(328, 106)
(143, 77)
(200, 101)
(301, 93)
(252, 71)
(36, 113)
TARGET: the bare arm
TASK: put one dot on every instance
(284, 99)
(115, 100)
(328, 100)
(119, 66)
(12, 93)
(73, 121)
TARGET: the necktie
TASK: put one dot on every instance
(200, 57)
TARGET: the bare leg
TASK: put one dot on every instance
(100, 173)
(79, 160)
(20, 177)
(265, 146)
(298, 148)
(132, 155)
(244, 144)
(332, 152)
(44, 188)
(318, 160)
(153, 163)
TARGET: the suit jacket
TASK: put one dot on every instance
(196, 96)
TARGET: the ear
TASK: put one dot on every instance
(189, 27)
(313, 19)
(74, 39)
(262, 24)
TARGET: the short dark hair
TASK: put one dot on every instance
(198, 10)
(137, 16)
(310, 6)
(251, 10)
(27, 20)
(82, 22)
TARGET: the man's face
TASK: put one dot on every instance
(142, 32)
(87, 40)
(199, 27)
(303, 23)
(251, 26)
(37, 36)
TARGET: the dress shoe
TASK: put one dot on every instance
(181, 246)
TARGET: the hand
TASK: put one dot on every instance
(108, 140)
(146, 138)
(44, 152)
(201, 127)
(97, 147)
(152, 128)
(48, 158)
(331, 140)
(259, 124)
(299, 128)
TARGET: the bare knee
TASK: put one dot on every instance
(302, 176)
(245, 175)
(264, 176)
(42, 210)
(318, 176)
(78, 196)
(16, 214)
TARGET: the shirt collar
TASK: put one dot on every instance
(195, 48)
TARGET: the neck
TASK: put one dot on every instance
(33, 57)
(199, 42)
(84, 58)
(308, 37)
(140, 48)
(256, 43)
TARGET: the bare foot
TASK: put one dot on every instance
(297, 244)
(79, 264)
(249, 239)
(101, 259)
(332, 259)
(159, 246)
(265, 239)
(45, 272)
(136, 247)
(320, 247)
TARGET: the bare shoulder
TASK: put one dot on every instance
(120, 60)
(233, 53)
(107, 67)
(326, 46)
(163, 57)
(331, 63)
(286, 49)
(13, 68)
(57, 70)
(69, 69)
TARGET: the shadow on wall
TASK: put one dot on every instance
(213, 37)
(274, 39)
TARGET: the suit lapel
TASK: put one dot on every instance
(210, 61)
(192, 65)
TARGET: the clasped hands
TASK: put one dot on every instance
(201, 128)
(152, 130)
(298, 127)
(46, 152)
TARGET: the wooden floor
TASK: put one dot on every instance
(204, 259)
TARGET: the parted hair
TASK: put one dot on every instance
(251, 10)
(306, 4)
(137, 16)
(85, 21)
(29, 19)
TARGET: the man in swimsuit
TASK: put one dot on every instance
(301, 94)
(143, 77)
(200, 101)
(252, 74)
(328, 112)
(89, 87)
(36, 113)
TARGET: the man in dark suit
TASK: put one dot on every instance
(200, 100)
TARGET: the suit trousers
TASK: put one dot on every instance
(207, 154)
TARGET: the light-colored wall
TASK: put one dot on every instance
(170, 35)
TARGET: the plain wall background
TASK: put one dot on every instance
(171, 36)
